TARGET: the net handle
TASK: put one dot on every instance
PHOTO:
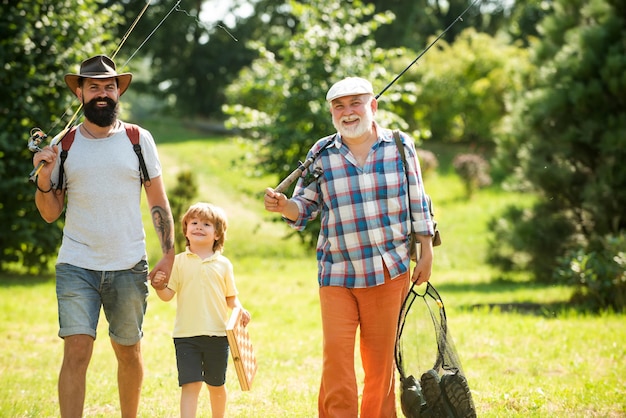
(404, 310)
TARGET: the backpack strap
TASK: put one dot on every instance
(66, 142)
(402, 151)
(132, 131)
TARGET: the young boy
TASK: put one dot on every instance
(203, 280)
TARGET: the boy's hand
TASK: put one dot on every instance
(158, 281)
(245, 317)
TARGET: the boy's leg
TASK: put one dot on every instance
(189, 399)
(214, 364)
(219, 397)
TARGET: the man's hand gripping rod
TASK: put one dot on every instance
(36, 136)
(301, 167)
(294, 175)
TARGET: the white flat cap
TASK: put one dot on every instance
(350, 86)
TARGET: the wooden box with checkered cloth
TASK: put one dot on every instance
(241, 350)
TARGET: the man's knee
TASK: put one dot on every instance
(127, 354)
(77, 349)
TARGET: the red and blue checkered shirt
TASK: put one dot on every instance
(364, 214)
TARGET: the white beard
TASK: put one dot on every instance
(364, 126)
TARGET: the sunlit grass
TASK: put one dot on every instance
(547, 361)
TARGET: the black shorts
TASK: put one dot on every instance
(202, 359)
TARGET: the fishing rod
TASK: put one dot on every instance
(302, 166)
(459, 18)
(37, 135)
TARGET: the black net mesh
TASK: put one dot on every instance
(431, 377)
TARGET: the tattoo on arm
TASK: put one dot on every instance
(163, 227)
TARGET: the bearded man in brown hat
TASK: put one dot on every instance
(102, 262)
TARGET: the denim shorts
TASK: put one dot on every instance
(122, 294)
(202, 359)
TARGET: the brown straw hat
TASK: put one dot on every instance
(99, 66)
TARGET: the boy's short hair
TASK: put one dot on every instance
(211, 213)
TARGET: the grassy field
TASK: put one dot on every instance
(548, 361)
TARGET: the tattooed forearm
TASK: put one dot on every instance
(163, 227)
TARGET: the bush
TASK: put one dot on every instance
(180, 198)
(563, 140)
(428, 161)
(599, 275)
(283, 91)
(530, 239)
(41, 41)
(473, 170)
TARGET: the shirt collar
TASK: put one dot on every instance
(213, 257)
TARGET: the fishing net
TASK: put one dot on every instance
(432, 380)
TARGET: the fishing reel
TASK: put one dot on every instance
(36, 136)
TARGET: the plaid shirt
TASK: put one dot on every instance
(364, 214)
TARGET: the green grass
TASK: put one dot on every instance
(547, 361)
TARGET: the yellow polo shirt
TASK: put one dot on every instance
(201, 288)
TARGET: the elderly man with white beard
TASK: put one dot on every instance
(357, 185)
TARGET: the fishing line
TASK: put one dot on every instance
(459, 18)
(204, 25)
(130, 29)
(37, 135)
(77, 112)
(152, 33)
(113, 55)
(295, 174)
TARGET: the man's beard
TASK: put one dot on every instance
(101, 116)
(364, 126)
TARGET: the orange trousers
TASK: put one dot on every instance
(375, 310)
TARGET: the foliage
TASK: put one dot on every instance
(473, 170)
(416, 20)
(524, 18)
(188, 63)
(428, 161)
(41, 41)
(599, 274)
(181, 197)
(459, 92)
(284, 92)
(540, 369)
(529, 239)
(565, 136)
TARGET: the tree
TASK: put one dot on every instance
(458, 91)
(524, 17)
(565, 139)
(195, 61)
(188, 62)
(417, 20)
(181, 197)
(40, 41)
(284, 91)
